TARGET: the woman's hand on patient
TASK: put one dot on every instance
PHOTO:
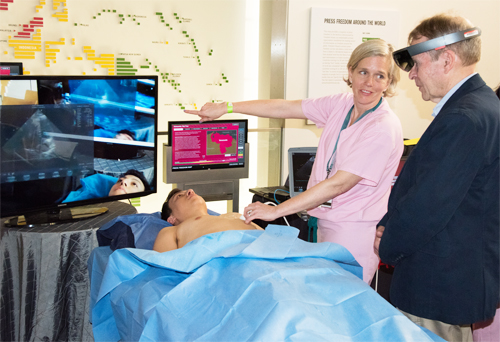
(258, 210)
(210, 111)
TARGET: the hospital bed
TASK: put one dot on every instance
(235, 286)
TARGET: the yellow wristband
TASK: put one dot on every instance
(229, 107)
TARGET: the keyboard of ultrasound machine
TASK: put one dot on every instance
(280, 195)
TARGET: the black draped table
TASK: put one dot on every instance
(44, 283)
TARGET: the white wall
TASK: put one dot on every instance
(414, 113)
(137, 31)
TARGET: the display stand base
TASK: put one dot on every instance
(55, 216)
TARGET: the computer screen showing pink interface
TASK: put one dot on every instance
(11, 68)
(208, 145)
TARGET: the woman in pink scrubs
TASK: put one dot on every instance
(357, 157)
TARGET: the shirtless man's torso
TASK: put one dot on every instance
(177, 236)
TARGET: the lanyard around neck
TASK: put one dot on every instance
(329, 166)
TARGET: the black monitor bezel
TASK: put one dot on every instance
(58, 206)
(208, 166)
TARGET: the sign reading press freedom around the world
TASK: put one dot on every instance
(335, 33)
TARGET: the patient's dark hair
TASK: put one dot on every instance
(126, 131)
(139, 175)
(166, 211)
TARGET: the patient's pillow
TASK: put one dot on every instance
(137, 230)
(93, 186)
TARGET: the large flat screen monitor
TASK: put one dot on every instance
(69, 141)
(209, 145)
(11, 69)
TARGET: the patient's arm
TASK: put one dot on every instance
(166, 240)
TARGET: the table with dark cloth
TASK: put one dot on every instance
(44, 283)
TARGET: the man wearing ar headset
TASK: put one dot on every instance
(441, 231)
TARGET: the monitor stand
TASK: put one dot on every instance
(228, 190)
(55, 216)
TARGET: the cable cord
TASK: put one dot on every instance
(275, 191)
(284, 218)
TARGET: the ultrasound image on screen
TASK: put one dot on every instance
(302, 166)
(46, 141)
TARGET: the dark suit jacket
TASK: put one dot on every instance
(442, 225)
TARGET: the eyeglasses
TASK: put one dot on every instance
(403, 57)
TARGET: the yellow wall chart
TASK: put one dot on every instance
(185, 42)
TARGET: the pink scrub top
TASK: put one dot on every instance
(371, 148)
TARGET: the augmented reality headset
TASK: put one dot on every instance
(403, 57)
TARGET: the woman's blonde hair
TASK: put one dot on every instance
(371, 48)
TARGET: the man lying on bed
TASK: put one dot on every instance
(187, 212)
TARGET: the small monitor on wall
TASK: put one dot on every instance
(209, 145)
(214, 150)
(11, 69)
